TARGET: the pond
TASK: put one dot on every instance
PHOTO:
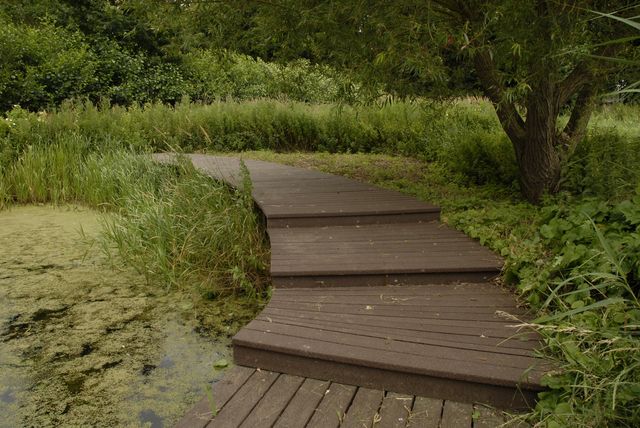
(85, 342)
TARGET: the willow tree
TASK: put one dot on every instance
(538, 61)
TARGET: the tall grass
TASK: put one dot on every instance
(192, 230)
(596, 345)
(174, 225)
(465, 135)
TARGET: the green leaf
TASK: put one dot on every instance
(563, 409)
(634, 24)
(601, 303)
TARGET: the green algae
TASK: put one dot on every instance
(86, 343)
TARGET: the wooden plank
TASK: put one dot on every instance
(393, 327)
(505, 397)
(368, 233)
(356, 272)
(364, 409)
(469, 327)
(369, 280)
(331, 410)
(398, 361)
(273, 402)
(414, 324)
(303, 404)
(493, 348)
(287, 221)
(395, 410)
(394, 291)
(456, 415)
(415, 250)
(384, 306)
(468, 299)
(244, 400)
(426, 413)
(371, 343)
(473, 313)
(379, 262)
(221, 392)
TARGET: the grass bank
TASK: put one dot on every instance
(173, 225)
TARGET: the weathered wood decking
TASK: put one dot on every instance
(249, 398)
(443, 341)
(372, 291)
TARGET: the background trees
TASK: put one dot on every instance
(541, 63)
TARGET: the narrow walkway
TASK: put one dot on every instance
(249, 398)
(371, 290)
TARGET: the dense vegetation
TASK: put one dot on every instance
(535, 60)
(172, 224)
(87, 87)
(464, 135)
(45, 63)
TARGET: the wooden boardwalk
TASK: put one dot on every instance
(249, 398)
(372, 291)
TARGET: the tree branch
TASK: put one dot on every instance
(580, 76)
(576, 128)
(510, 119)
(583, 73)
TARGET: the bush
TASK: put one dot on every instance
(43, 66)
(217, 75)
(482, 157)
(606, 163)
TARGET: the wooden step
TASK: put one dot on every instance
(407, 253)
(348, 335)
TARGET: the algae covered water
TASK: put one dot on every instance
(84, 343)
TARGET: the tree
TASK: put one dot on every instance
(538, 61)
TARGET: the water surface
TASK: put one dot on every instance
(83, 342)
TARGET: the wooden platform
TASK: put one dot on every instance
(443, 341)
(377, 254)
(250, 398)
(291, 197)
(372, 291)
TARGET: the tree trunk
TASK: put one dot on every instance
(539, 163)
(540, 147)
(537, 152)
